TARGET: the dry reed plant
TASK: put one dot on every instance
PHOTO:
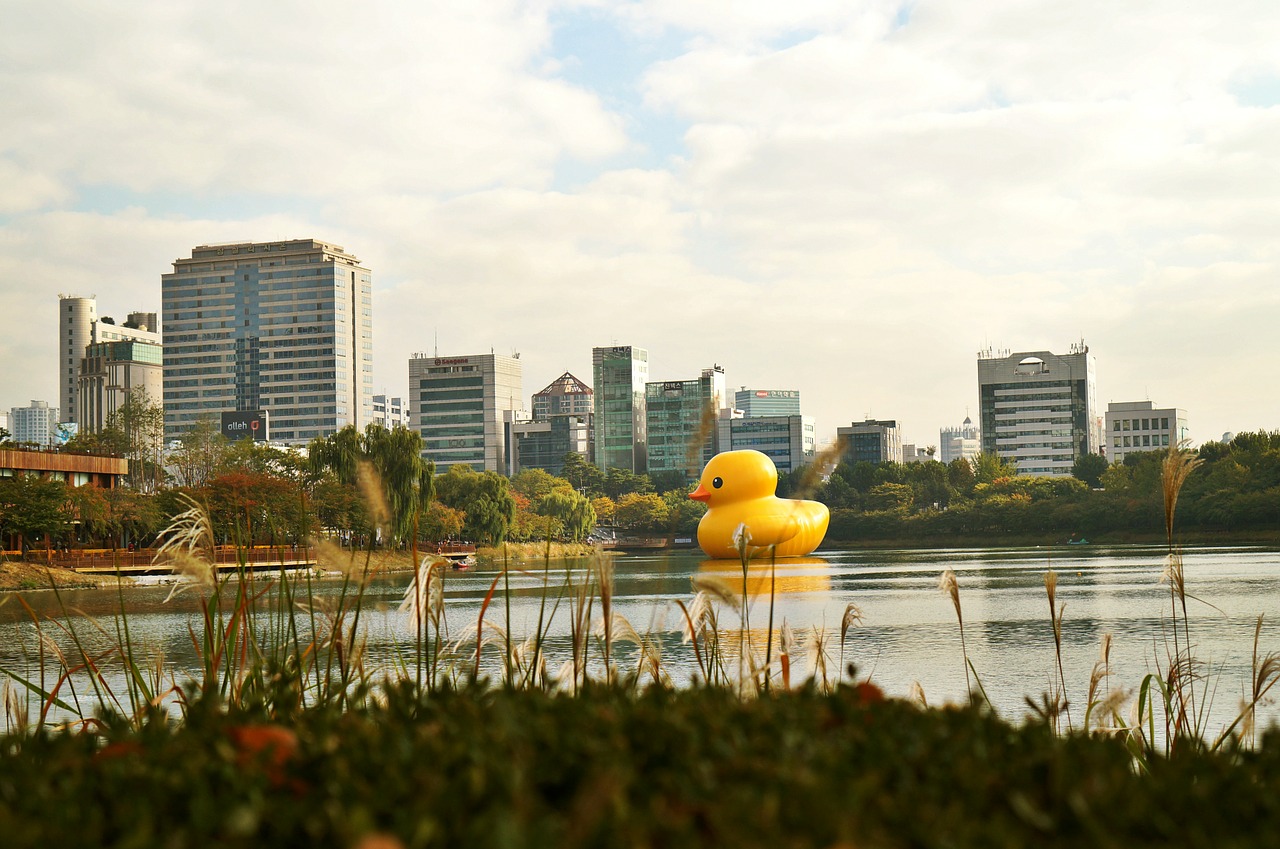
(1055, 617)
(950, 587)
(852, 618)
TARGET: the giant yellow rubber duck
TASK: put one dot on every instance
(738, 488)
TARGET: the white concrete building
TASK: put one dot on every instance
(36, 423)
(79, 326)
(964, 441)
(391, 412)
(1039, 409)
(1133, 426)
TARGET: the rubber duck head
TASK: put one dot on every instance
(736, 476)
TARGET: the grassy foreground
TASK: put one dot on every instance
(698, 767)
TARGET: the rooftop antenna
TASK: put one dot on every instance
(437, 340)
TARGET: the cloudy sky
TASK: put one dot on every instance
(847, 198)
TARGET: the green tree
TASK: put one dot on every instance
(485, 498)
(642, 512)
(32, 507)
(395, 456)
(619, 482)
(574, 512)
(683, 513)
(1089, 468)
(583, 475)
(673, 481)
(991, 467)
(534, 484)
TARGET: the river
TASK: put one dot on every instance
(908, 633)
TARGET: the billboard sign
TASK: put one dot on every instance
(245, 424)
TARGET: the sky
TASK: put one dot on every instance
(846, 198)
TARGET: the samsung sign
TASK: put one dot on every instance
(245, 423)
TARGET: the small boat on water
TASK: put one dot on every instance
(1080, 541)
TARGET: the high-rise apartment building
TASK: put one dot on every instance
(282, 327)
(391, 412)
(767, 402)
(959, 442)
(79, 326)
(1133, 426)
(461, 405)
(872, 441)
(110, 372)
(1039, 409)
(681, 422)
(36, 423)
(619, 376)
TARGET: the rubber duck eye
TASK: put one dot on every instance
(717, 482)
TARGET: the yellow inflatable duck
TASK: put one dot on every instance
(738, 488)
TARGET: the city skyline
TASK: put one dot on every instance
(849, 201)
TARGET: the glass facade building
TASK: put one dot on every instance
(681, 422)
(787, 440)
(109, 372)
(460, 406)
(872, 441)
(619, 374)
(755, 403)
(284, 327)
(544, 444)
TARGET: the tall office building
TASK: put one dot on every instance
(544, 444)
(959, 442)
(767, 402)
(619, 376)
(681, 422)
(36, 423)
(79, 326)
(872, 441)
(110, 372)
(787, 440)
(1039, 409)
(280, 327)
(1133, 426)
(461, 405)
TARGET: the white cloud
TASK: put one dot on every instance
(866, 193)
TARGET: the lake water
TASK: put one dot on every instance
(908, 633)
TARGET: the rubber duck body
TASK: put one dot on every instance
(738, 488)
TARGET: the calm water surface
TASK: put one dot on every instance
(908, 632)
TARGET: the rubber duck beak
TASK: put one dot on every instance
(699, 494)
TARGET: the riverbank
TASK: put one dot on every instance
(24, 577)
(534, 552)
